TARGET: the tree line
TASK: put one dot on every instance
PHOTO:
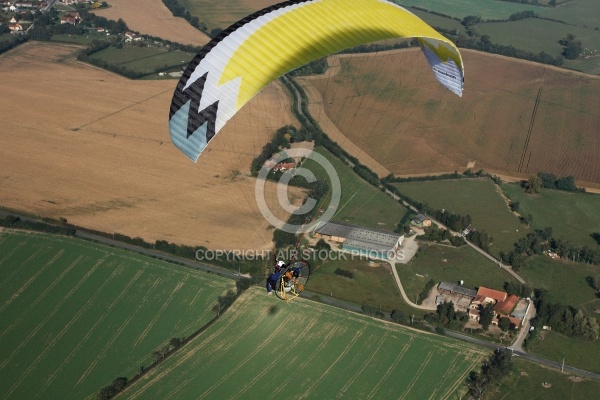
(179, 10)
(15, 222)
(491, 373)
(541, 241)
(562, 318)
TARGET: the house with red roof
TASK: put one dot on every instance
(507, 305)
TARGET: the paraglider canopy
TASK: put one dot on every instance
(256, 50)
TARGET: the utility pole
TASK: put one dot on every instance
(562, 367)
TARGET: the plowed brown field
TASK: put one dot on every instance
(93, 147)
(516, 118)
(152, 17)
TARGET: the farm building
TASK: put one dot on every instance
(459, 295)
(421, 221)
(456, 289)
(364, 240)
(506, 306)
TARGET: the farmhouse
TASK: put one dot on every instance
(132, 37)
(421, 221)
(284, 166)
(503, 305)
(365, 240)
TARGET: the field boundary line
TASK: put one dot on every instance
(391, 367)
(108, 345)
(41, 297)
(201, 344)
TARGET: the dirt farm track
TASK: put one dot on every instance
(93, 147)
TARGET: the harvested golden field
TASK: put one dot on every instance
(223, 13)
(515, 118)
(93, 147)
(152, 17)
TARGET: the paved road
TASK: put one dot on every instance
(81, 233)
(527, 356)
(529, 315)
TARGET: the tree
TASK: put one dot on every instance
(567, 184)
(486, 315)
(176, 342)
(572, 46)
(533, 185)
(595, 282)
(477, 384)
(548, 180)
(504, 324)
(398, 316)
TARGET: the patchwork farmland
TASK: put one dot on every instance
(75, 314)
(515, 117)
(265, 348)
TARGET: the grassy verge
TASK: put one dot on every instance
(584, 354)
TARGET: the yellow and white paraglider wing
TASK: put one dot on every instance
(247, 56)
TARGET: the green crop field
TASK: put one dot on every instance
(75, 314)
(486, 9)
(144, 59)
(451, 264)
(477, 197)
(526, 379)
(572, 216)
(360, 203)
(265, 348)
